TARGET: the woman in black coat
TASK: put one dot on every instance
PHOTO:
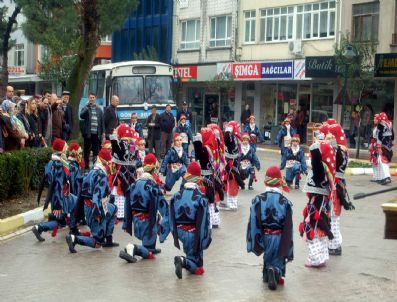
(35, 124)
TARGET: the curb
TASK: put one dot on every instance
(359, 171)
(13, 223)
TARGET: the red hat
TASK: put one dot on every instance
(150, 159)
(105, 155)
(339, 134)
(141, 139)
(383, 117)
(252, 116)
(59, 145)
(331, 121)
(273, 178)
(245, 135)
(176, 134)
(296, 137)
(134, 115)
(234, 127)
(328, 156)
(74, 147)
(107, 144)
(208, 138)
(125, 131)
(194, 169)
(324, 128)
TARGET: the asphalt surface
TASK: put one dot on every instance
(367, 270)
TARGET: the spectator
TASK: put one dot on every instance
(154, 132)
(186, 112)
(68, 115)
(34, 124)
(21, 115)
(58, 119)
(110, 117)
(245, 115)
(137, 126)
(355, 122)
(9, 94)
(93, 128)
(300, 123)
(167, 124)
(45, 113)
(366, 121)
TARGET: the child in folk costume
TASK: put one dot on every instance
(135, 125)
(107, 144)
(253, 132)
(139, 156)
(339, 142)
(294, 161)
(205, 146)
(315, 228)
(248, 161)
(381, 148)
(76, 163)
(57, 179)
(189, 222)
(284, 135)
(185, 132)
(232, 178)
(144, 200)
(99, 213)
(174, 164)
(270, 228)
(218, 161)
(123, 150)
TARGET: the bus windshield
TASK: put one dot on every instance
(129, 90)
(158, 89)
(96, 83)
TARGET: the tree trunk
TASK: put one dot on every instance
(86, 55)
(5, 47)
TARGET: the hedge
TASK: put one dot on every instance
(22, 171)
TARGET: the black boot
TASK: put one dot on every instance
(179, 264)
(71, 241)
(272, 278)
(296, 183)
(335, 252)
(251, 180)
(264, 275)
(124, 254)
(109, 242)
(37, 230)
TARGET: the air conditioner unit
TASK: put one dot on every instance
(295, 47)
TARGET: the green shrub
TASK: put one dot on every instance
(21, 171)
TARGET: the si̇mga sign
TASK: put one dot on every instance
(386, 65)
(264, 70)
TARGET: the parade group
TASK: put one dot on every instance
(125, 184)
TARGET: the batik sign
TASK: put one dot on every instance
(386, 65)
(278, 70)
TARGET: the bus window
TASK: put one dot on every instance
(129, 90)
(158, 89)
(92, 82)
(100, 92)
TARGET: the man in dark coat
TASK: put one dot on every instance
(110, 117)
(93, 128)
(167, 124)
(58, 119)
(245, 115)
(186, 112)
(154, 132)
(68, 115)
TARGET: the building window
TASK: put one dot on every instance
(250, 22)
(190, 34)
(106, 39)
(277, 24)
(221, 31)
(19, 55)
(366, 21)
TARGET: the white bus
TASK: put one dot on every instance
(138, 84)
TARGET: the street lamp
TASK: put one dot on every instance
(348, 56)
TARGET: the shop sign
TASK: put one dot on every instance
(300, 70)
(16, 70)
(224, 71)
(386, 65)
(246, 71)
(321, 67)
(185, 73)
(278, 70)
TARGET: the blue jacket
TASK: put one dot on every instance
(138, 128)
(255, 135)
(184, 129)
(252, 158)
(289, 155)
(283, 132)
(172, 157)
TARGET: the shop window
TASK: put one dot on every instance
(250, 22)
(19, 55)
(190, 34)
(220, 31)
(366, 21)
(286, 95)
(322, 103)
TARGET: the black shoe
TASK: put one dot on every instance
(335, 252)
(155, 251)
(71, 243)
(109, 242)
(127, 257)
(373, 180)
(264, 275)
(37, 233)
(296, 187)
(271, 277)
(178, 266)
(250, 188)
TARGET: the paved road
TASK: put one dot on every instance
(367, 271)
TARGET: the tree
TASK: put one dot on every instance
(6, 28)
(358, 73)
(83, 22)
(148, 54)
